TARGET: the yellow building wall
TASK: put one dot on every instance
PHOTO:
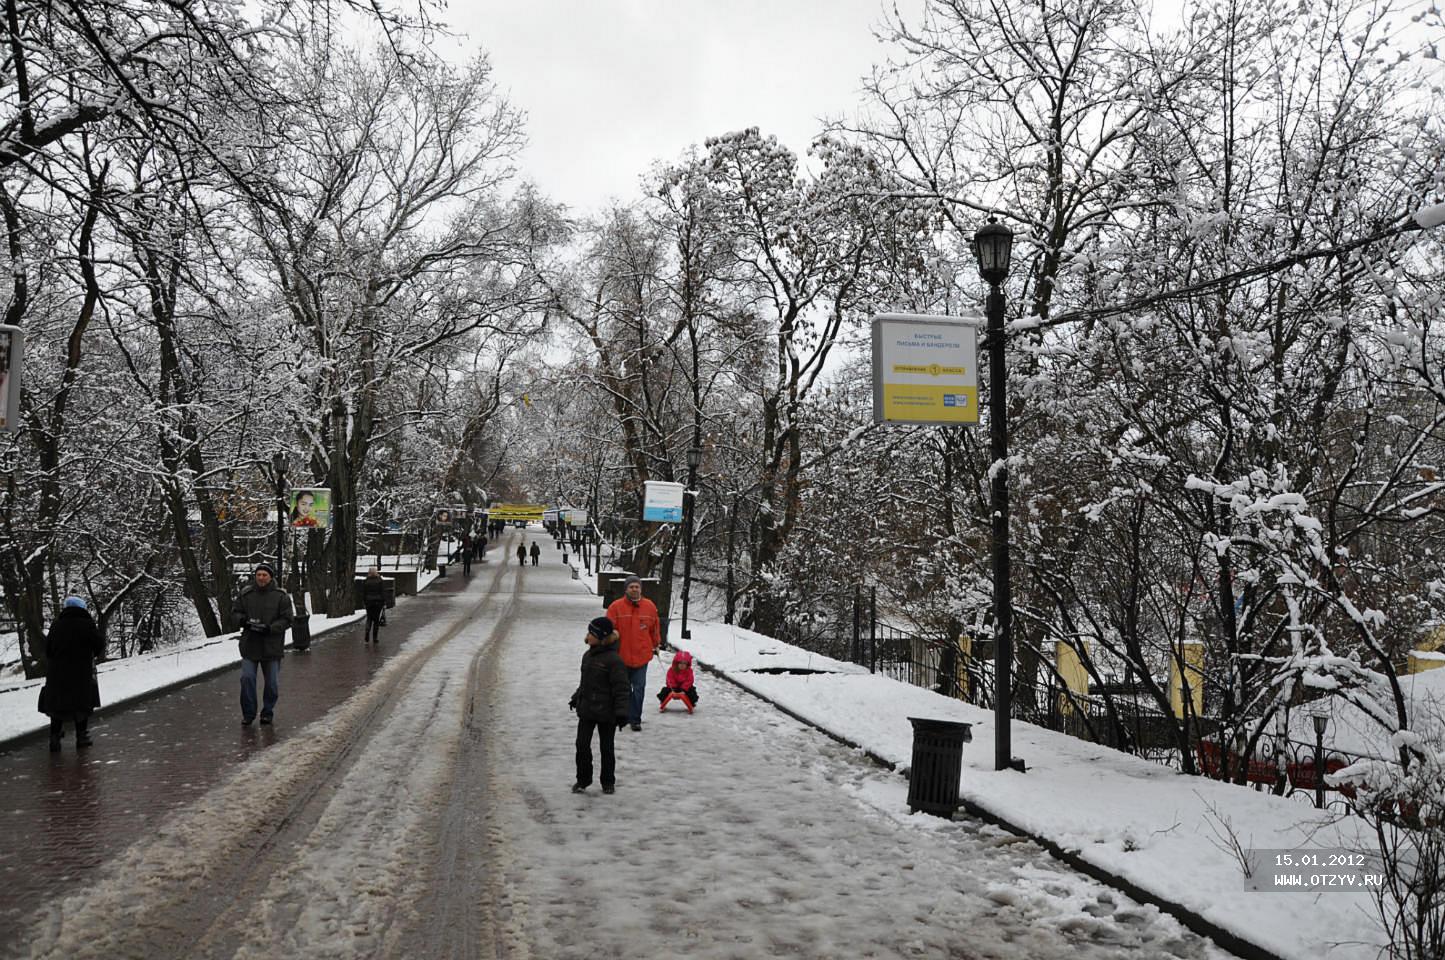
(1193, 656)
(1071, 670)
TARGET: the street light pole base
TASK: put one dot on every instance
(686, 633)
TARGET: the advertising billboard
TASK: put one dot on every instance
(925, 369)
(662, 501)
(309, 508)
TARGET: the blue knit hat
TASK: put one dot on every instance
(73, 602)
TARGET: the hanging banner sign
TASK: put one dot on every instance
(12, 355)
(310, 508)
(508, 512)
(925, 369)
(662, 501)
(550, 516)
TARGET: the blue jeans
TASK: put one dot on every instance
(637, 676)
(271, 669)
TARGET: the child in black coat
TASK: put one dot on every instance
(601, 701)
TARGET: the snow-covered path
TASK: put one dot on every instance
(430, 816)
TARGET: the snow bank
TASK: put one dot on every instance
(1168, 833)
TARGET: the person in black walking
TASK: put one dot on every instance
(71, 691)
(601, 702)
(522, 553)
(263, 612)
(373, 598)
(536, 552)
(466, 554)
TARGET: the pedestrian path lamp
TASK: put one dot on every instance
(992, 245)
(278, 470)
(1321, 721)
(694, 460)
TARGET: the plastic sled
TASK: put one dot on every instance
(679, 697)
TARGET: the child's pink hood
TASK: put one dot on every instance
(680, 673)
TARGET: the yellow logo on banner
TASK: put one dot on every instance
(932, 369)
(517, 511)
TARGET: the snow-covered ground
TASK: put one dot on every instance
(432, 810)
(1164, 831)
(435, 800)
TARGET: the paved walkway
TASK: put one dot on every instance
(68, 813)
(428, 815)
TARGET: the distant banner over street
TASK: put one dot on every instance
(528, 512)
(925, 369)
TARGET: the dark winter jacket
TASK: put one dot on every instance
(604, 693)
(521, 551)
(71, 649)
(536, 551)
(373, 592)
(271, 607)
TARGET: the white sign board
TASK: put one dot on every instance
(12, 353)
(925, 369)
(662, 501)
(549, 516)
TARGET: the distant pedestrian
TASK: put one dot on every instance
(536, 552)
(601, 704)
(482, 547)
(522, 553)
(637, 622)
(264, 614)
(71, 691)
(373, 598)
(466, 554)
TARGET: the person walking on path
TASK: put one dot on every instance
(466, 554)
(482, 547)
(71, 691)
(264, 613)
(373, 598)
(536, 552)
(601, 702)
(522, 554)
(637, 622)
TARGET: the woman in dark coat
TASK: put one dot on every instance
(373, 598)
(522, 554)
(71, 649)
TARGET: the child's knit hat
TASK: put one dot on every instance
(601, 628)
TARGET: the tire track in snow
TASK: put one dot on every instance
(194, 889)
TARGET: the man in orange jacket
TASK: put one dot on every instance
(637, 622)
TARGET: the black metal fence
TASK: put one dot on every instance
(1124, 718)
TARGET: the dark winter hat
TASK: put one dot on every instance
(267, 567)
(601, 628)
(631, 579)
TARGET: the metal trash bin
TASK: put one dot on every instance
(937, 765)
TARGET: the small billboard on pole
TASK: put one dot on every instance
(662, 501)
(12, 355)
(925, 369)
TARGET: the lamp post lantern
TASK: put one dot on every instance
(694, 460)
(1321, 721)
(992, 245)
(278, 470)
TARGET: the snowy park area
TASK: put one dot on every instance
(754, 829)
(1168, 833)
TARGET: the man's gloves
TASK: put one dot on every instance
(572, 704)
(620, 721)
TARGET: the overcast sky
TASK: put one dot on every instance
(609, 86)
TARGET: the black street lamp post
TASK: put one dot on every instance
(992, 245)
(278, 470)
(1321, 722)
(694, 460)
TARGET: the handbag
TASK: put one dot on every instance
(42, 703)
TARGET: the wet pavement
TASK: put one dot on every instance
(64, 815)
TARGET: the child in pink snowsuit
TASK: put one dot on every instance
(679, 678)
